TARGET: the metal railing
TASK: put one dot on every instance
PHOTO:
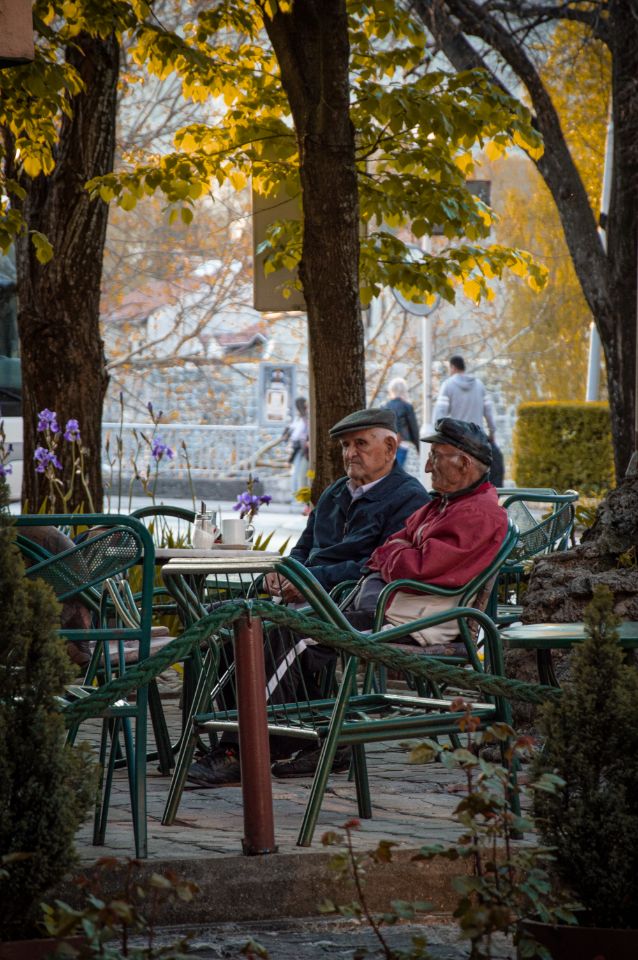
(210, 450)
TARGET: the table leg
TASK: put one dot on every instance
(254, 748)
(546, 668)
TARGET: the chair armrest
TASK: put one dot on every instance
(414, 586)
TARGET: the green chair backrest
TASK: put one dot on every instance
(551, 532)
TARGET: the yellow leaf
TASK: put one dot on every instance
(128, 202)
(187, 143)
(472, 289)
(494, 150)
(534, 151)
(32, 166)
(464, 162)
(519, 268)
(238, 179)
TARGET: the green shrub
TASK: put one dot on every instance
(564, 446)
(45, 787)
(591, 743)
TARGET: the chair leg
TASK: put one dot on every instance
(361, 780)
(189, 739)
(327, 756)
(160, 730)
(111, 731)
(103, 789)
(139, 782)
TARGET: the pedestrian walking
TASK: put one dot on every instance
(407, 426)
(464, 397)
(298, 434)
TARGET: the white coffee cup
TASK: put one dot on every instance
(234, 531)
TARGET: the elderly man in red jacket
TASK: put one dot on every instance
(450, 539)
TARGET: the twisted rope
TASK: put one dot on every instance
(367, 647)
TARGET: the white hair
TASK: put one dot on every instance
(398, 388)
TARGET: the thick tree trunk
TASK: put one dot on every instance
(63, 362)
(311, 45)
(608, 279)
(562, 584)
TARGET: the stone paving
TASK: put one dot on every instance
(412, 804)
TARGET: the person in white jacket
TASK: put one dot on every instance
(464, 397)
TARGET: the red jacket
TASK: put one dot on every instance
(446, 542)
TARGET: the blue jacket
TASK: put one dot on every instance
(342, 533)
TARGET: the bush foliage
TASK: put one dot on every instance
(45, 787)
(592, 744)
(564, 446)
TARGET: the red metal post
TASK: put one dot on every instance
(254, 749)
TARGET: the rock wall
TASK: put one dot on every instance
(562, 584)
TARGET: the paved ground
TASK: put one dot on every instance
(313, 939)
(275, 900)
(412, 805)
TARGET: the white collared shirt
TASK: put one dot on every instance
(358, 492)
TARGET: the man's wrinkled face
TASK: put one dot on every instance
(449, 467)
(367, 454)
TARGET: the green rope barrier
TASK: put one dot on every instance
(367, 647)
(421, 665)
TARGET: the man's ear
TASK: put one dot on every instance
(391, 444)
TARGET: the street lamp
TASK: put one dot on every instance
(423, 310)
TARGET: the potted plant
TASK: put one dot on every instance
(46, 787)
(591, 820)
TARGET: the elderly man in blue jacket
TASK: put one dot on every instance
(358, 512)
(353, 517)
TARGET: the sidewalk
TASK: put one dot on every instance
(413, 804)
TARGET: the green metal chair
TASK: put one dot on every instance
(117, 544)
(305, 718)
(538, 537)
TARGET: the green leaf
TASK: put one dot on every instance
(43, 249)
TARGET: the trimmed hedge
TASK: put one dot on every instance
(564, 446)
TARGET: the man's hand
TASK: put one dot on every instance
(278, 586)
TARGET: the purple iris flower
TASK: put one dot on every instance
(159, 450)
(72, 431)
(48, 420)
(5, 469)
(43, 458)
(249, 503)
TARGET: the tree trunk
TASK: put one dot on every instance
(608, 279)
(562, 584)
(312, 47)
(63, 362)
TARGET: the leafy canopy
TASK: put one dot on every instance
(418, 129)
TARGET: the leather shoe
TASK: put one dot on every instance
(305, 762)
(217, 769)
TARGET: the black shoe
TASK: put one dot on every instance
(218, 768)
(304, 763)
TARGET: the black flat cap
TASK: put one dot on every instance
(466, 436)
(364, 420)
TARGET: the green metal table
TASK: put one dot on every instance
(254, 748)
(545, 637)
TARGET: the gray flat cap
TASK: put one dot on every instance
(364, 420)
(466, 436)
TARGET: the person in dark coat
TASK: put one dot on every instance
(358, 512)
(353, 517)
(407, 426)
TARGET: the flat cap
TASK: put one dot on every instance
(364, 420)
(466, 436)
